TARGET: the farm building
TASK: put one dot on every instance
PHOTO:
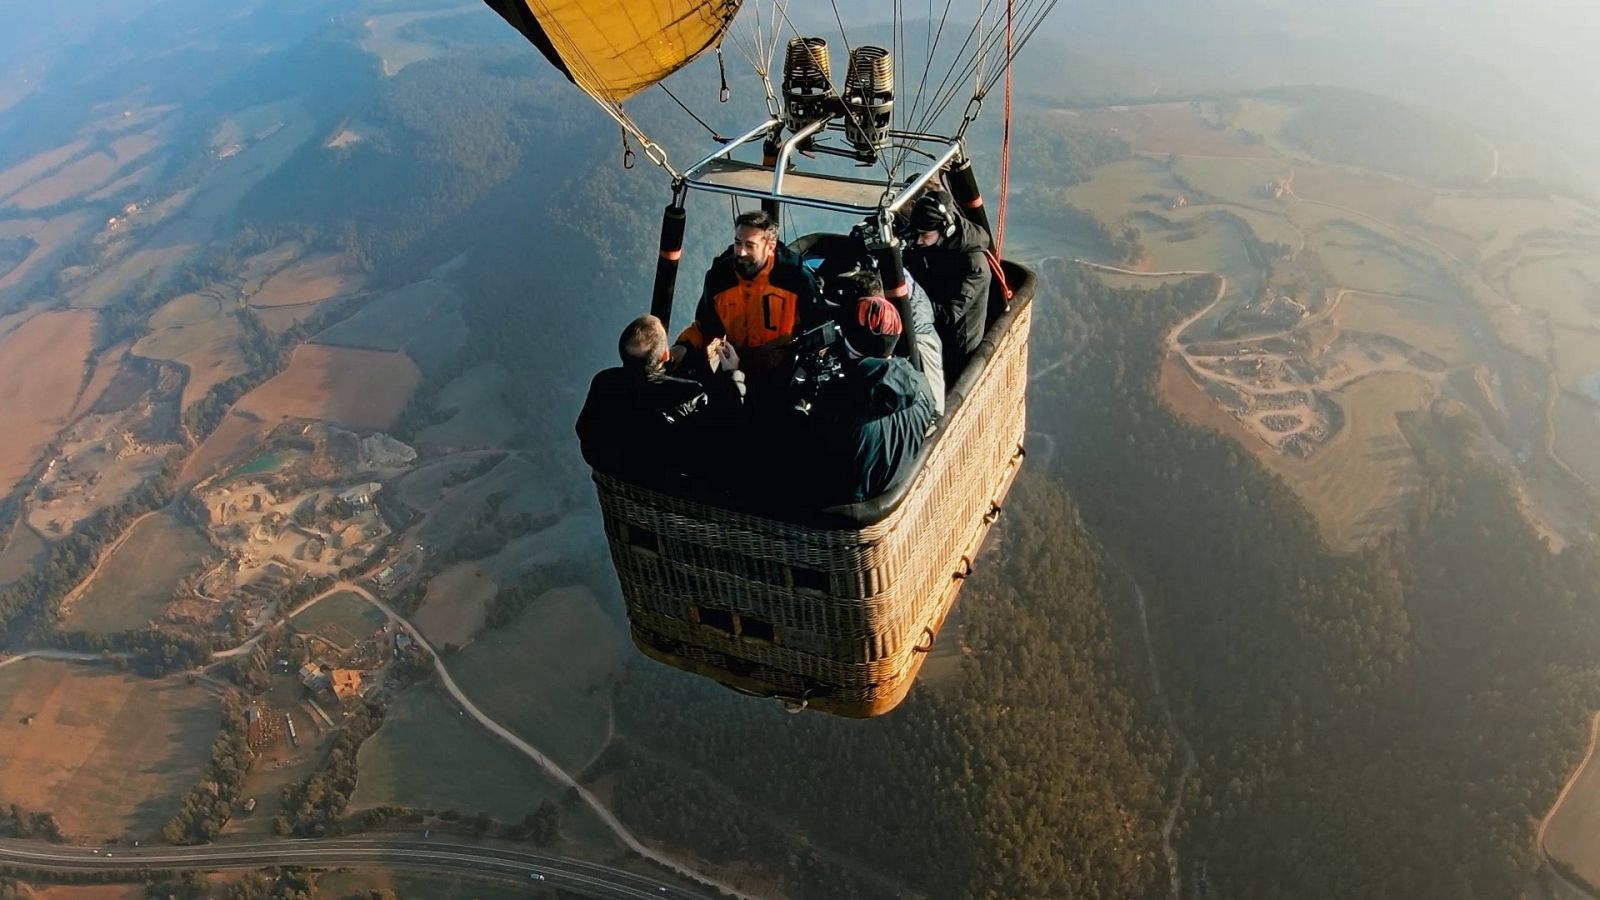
(313, 677)
(346, 684)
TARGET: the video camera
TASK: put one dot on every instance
(817, 362)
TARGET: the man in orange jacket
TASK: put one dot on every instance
(757, 297)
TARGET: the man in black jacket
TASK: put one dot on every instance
(638, 421)
(946, 257)
(870, 424)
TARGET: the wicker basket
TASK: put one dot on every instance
(834, 610)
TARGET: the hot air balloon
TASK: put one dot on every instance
(830, 609)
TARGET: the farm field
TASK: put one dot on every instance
(342, 619)
(41, 370)
(127, 182)
(423, 487)
(1116, 189)
(577, 535)
(357, 388)
(53, 236)
(1362, 260)
(524, 484)
(456, 604)
(308, 282)
(29, 170)
(480, 417)
(235, 440)
(133, 585)
(196, 332)
(1350, 483)
(1567, 287)
(428, 755)
(1428, 327)
(1270, 228)
(67, 182)
(1577, 355)
(1237, 181)
(546, 675)
(107, 368)
(1577, 428)
(1173, 128)
(23, 549)
(1493, 225)
(1386, 199)
(1569, 837)
(110, 754)
(383, 39)
(423, 319)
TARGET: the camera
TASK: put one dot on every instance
(817, 363)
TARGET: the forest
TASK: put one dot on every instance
(1385, 724)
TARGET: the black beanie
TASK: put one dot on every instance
(930, 214)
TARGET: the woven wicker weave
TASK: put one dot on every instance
(837, 617)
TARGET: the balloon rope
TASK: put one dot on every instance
(1005, 146)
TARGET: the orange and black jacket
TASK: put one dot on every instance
(761, 316)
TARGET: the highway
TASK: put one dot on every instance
(501, 863)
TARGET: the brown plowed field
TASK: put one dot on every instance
(41, 369)
(358, 388)
(107, 752)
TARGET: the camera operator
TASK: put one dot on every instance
(867, 424)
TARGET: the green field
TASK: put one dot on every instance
(1351, 482)
(546, 675)
(1203, 244)
(421, 488)
(1237, 181)
(1428, 327)
(395, 319)
(523, 486)
(133, 585)
(1116, 189)
(1272, 228)
(1362, 260)
(108, 753)
(343, 619)
(480, 416)
(427, 755)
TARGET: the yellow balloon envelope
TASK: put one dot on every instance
(615, 48)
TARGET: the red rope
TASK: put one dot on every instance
(1005, 146)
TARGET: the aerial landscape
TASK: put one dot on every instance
(305, 588)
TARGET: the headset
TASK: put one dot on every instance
(948, 228)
